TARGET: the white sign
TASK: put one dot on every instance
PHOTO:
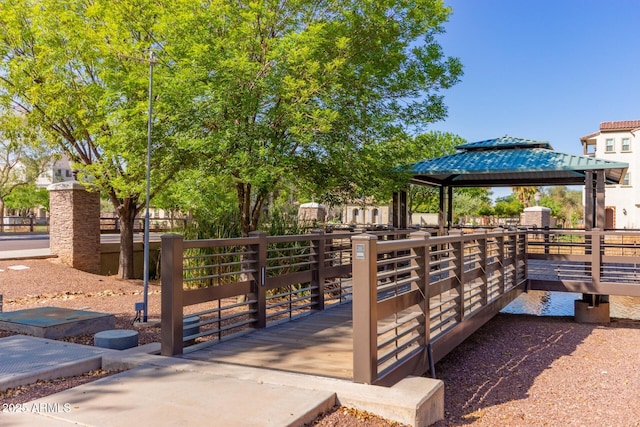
(359, 250)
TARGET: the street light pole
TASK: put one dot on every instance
(152, 62)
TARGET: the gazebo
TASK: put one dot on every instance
(509, 162)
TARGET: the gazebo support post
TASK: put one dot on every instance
(399, 210)
(449, 208)
(594, 308)
(441, 212)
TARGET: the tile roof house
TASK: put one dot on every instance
(619, 141)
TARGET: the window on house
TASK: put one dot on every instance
(626, 144)
(354, 215)
(625, 181)
(67, 173)
(609, 145)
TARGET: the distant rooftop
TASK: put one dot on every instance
(620, 125)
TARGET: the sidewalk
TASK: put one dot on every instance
(164, 391)
(26, 254)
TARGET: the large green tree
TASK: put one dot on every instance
(23, 156)
(313, 93)
(565, 204)
(76, 69)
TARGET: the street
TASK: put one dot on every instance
(17, 242)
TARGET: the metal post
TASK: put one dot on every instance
(318, 245)
(152, 61)
(171, 295)
(258, 276)
(365, 310)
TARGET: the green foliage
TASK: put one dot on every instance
(470, 202)
(26, 197)
(77, 70)
(23, 156)
(525, 194)
(313, 94)
(566, 205)
(508, 207)
(249, 98)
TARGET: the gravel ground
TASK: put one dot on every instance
(515, 371)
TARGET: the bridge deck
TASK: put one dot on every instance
(319, 344)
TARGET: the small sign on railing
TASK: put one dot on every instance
(359, 250)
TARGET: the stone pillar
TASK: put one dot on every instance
(74, 230)
(538, 216)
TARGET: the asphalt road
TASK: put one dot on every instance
(17, 242)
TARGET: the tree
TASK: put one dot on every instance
(524, 194)
(27, 197)
(23, 156)
(508, 207)
(71, 67)
(470, 202)
(316, 93)
(565, 204)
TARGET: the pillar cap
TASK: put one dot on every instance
(66, 185)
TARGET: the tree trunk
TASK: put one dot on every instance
(126, 214)
(1, 215)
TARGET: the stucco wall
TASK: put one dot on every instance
(625, 199)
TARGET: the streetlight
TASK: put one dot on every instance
(152, 62)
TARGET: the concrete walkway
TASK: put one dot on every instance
(164, 391)
(26, 254)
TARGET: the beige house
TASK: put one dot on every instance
(619, 141)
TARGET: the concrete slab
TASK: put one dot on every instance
(162, 396)
(26, 254)
(25, 360)
(414, 401)
(55, 322)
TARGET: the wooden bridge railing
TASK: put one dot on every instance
(234, 285)
(595, 261)
(417, 299)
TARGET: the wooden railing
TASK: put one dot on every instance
(111, 224)
(595, 261)
(417, 299)
(231, 286)
(19, 224)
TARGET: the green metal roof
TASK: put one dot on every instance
(504, 143)
(509, 161)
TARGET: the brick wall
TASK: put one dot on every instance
(75, 225)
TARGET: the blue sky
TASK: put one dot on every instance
(543, 69)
